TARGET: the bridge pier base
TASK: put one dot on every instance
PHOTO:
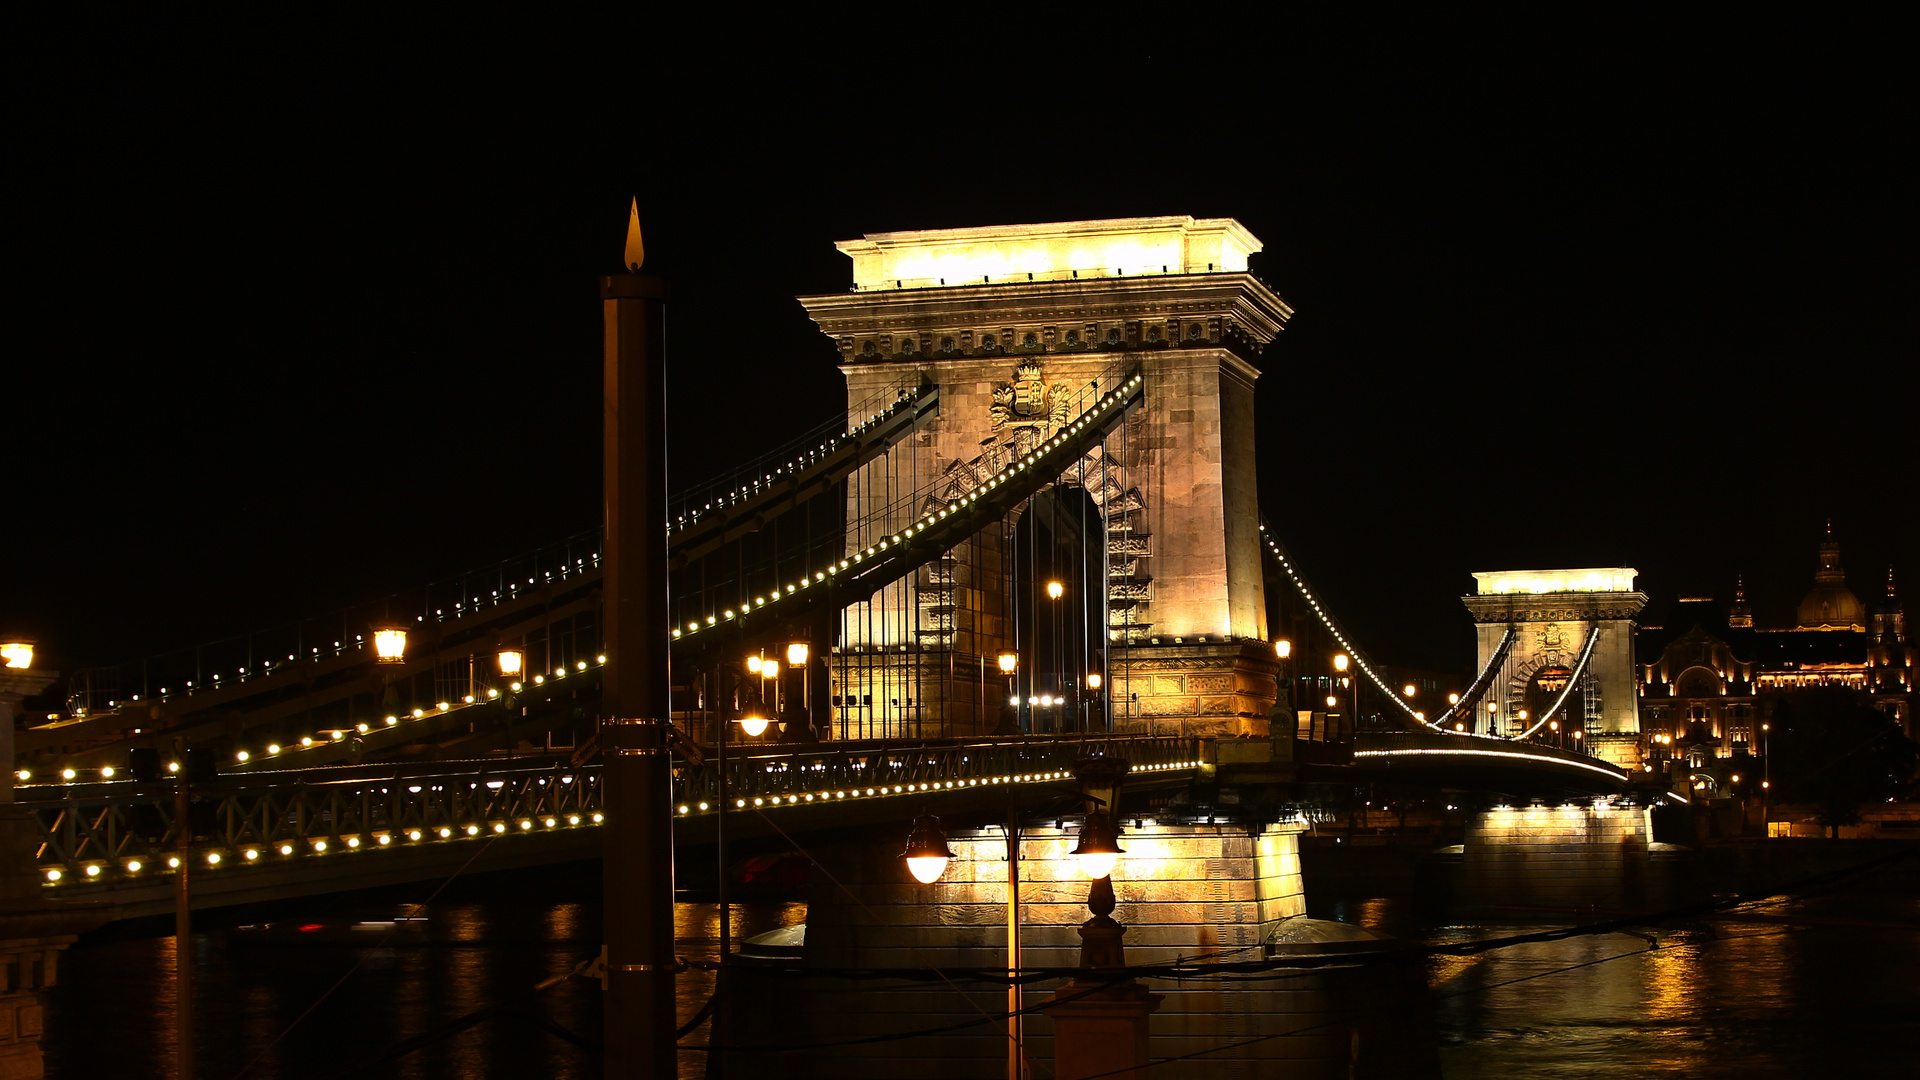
(1207, 690)
(1553, 858)
(1194, 892)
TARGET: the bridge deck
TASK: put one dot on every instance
(273, 835)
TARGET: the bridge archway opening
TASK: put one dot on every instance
(1058, 538)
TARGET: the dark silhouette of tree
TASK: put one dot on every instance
(1831, 750)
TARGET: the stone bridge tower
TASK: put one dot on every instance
(1019, 327)
(1551, 613)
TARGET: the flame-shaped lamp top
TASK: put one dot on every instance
(636, 250)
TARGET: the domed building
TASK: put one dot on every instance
(1705, 679)
(1831, 605)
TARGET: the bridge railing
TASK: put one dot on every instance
(226, 662)
(690, 502)
(864, 770)
(128, 831)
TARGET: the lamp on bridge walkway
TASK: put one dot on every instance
(390, 644)
(927, 853)
(797, 653)
(1010, 713)
(754, 725)
(511, 660)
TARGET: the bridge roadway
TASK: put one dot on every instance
(272, 835)
(1482, 763)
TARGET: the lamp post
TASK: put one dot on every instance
(927, 856)
(1010, 713)
(797, 653)
(1340, 664)
(1055, 590)
(1093, 711)
(1283, 689)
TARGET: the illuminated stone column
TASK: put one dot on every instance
(1552, 612)
(1020, 327)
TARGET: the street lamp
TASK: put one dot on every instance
(1010, 715)
(390, 644)
(1099, 846)
(754, 725)
(1340, 661)
(18, 654)
(797, 653)
(927, 851)
(511, 660)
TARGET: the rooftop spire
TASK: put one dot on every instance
(636, 251)
(1740, 614)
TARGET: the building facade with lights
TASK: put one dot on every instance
(1710, 679)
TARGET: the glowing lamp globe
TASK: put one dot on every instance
(1094, 680)
(1408, 689)
(769, 668)
(753, 664)
(511, 661)
(797, 654)
(927, 852)
(18, 654)
(1099, 847)
(1008, 662)
(1339, 661)
(1055, 590)
(755, 726)
(1283, 648)
(390, 644)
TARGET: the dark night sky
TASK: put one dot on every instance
(303, 315)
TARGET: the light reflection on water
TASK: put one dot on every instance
(475, 953)
(1716, 1000)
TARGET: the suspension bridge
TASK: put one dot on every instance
(1033, 536)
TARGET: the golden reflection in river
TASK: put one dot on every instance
(467, 980)
(696, 936)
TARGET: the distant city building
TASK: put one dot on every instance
(1710, 677)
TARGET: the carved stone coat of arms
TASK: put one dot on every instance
(1027, 401)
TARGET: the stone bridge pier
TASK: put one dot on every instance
(1560, 858)
(1194, 892)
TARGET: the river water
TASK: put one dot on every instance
(341, 987)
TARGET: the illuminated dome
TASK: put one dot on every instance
(1831, 605)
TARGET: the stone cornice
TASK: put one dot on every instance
(1554, 607)
(1233, 307)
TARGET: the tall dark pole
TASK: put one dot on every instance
(183, 918)
(638, 859)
